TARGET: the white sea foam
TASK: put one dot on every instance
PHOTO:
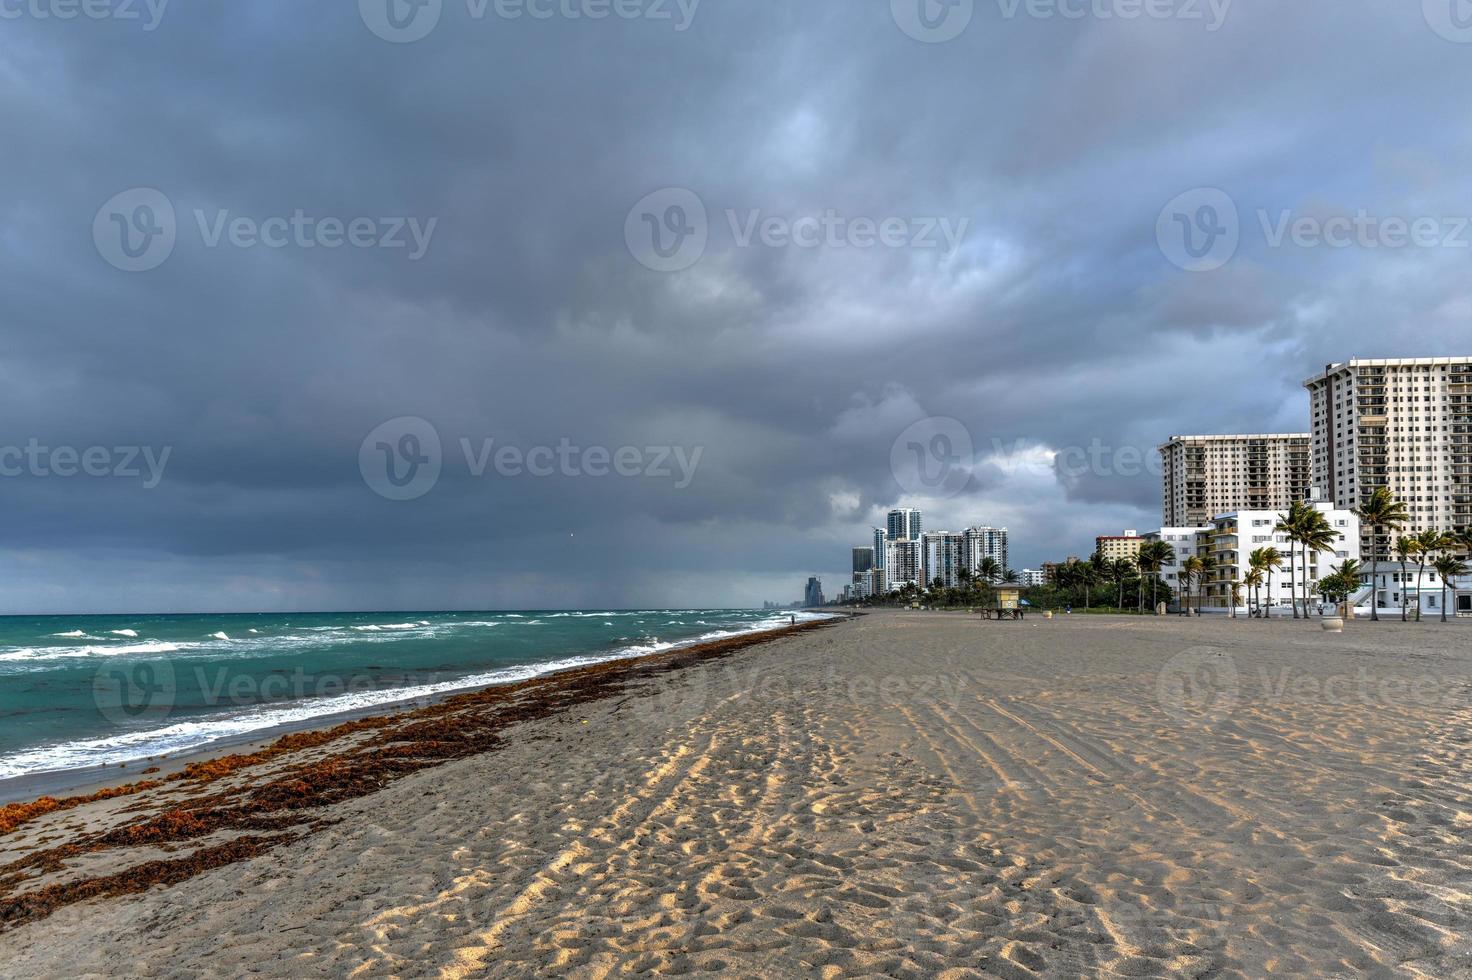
(72, 634)
(392, 626)
(123, 632)
(221, 636)
(66, 653)
(187, 735)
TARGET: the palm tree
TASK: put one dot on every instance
(1208, 565)
(1155, 555)
(1265, 561)
(1405, 550)
(1190, 568)
(1428, 542)
(988, 569)
(1290, 525)
(1120, 570)
(1448, 566)
(1317, 537)
(1010, 576)
(1253, 581)
(1380, 510)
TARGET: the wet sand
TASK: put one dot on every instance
(908, 794)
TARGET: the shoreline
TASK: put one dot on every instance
(278, 785)
(91, 779)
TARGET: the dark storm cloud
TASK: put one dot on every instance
(1056, 324)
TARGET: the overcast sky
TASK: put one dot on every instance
(256, 252)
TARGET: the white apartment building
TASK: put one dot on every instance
(985, 542)
(1187, 541)
(945, 557)
(1401, 423)
(1204, 476)
(1231, 539)
(1030, 577)
(1394, 585)
(904, 561)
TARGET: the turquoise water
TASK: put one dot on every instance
(80, 691)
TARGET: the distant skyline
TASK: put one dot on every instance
(278, 237)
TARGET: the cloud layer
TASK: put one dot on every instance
(792, 359)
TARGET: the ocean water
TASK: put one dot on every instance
(82, 691)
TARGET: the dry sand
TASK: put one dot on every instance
(908, 794)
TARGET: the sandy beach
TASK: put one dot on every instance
(905, 794)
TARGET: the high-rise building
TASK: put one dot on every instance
(813, 594)
(1400, 423)
(904, 522)
(985, 542)
(1205, 476)
(944, 557)
(1116, 546)
(863, 560)
(904, 561)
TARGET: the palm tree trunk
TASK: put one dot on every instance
(1443, 600)
(1420, 570)
(1374, 567)
(1292, 578)
(1403, 615)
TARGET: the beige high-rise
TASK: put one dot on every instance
(1205, 476)
(1401, 423)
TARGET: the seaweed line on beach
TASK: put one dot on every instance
(278, 810)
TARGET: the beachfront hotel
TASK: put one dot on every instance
(1230, 540)
(1113, 547)
(1204, 476)
(1400, 423)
